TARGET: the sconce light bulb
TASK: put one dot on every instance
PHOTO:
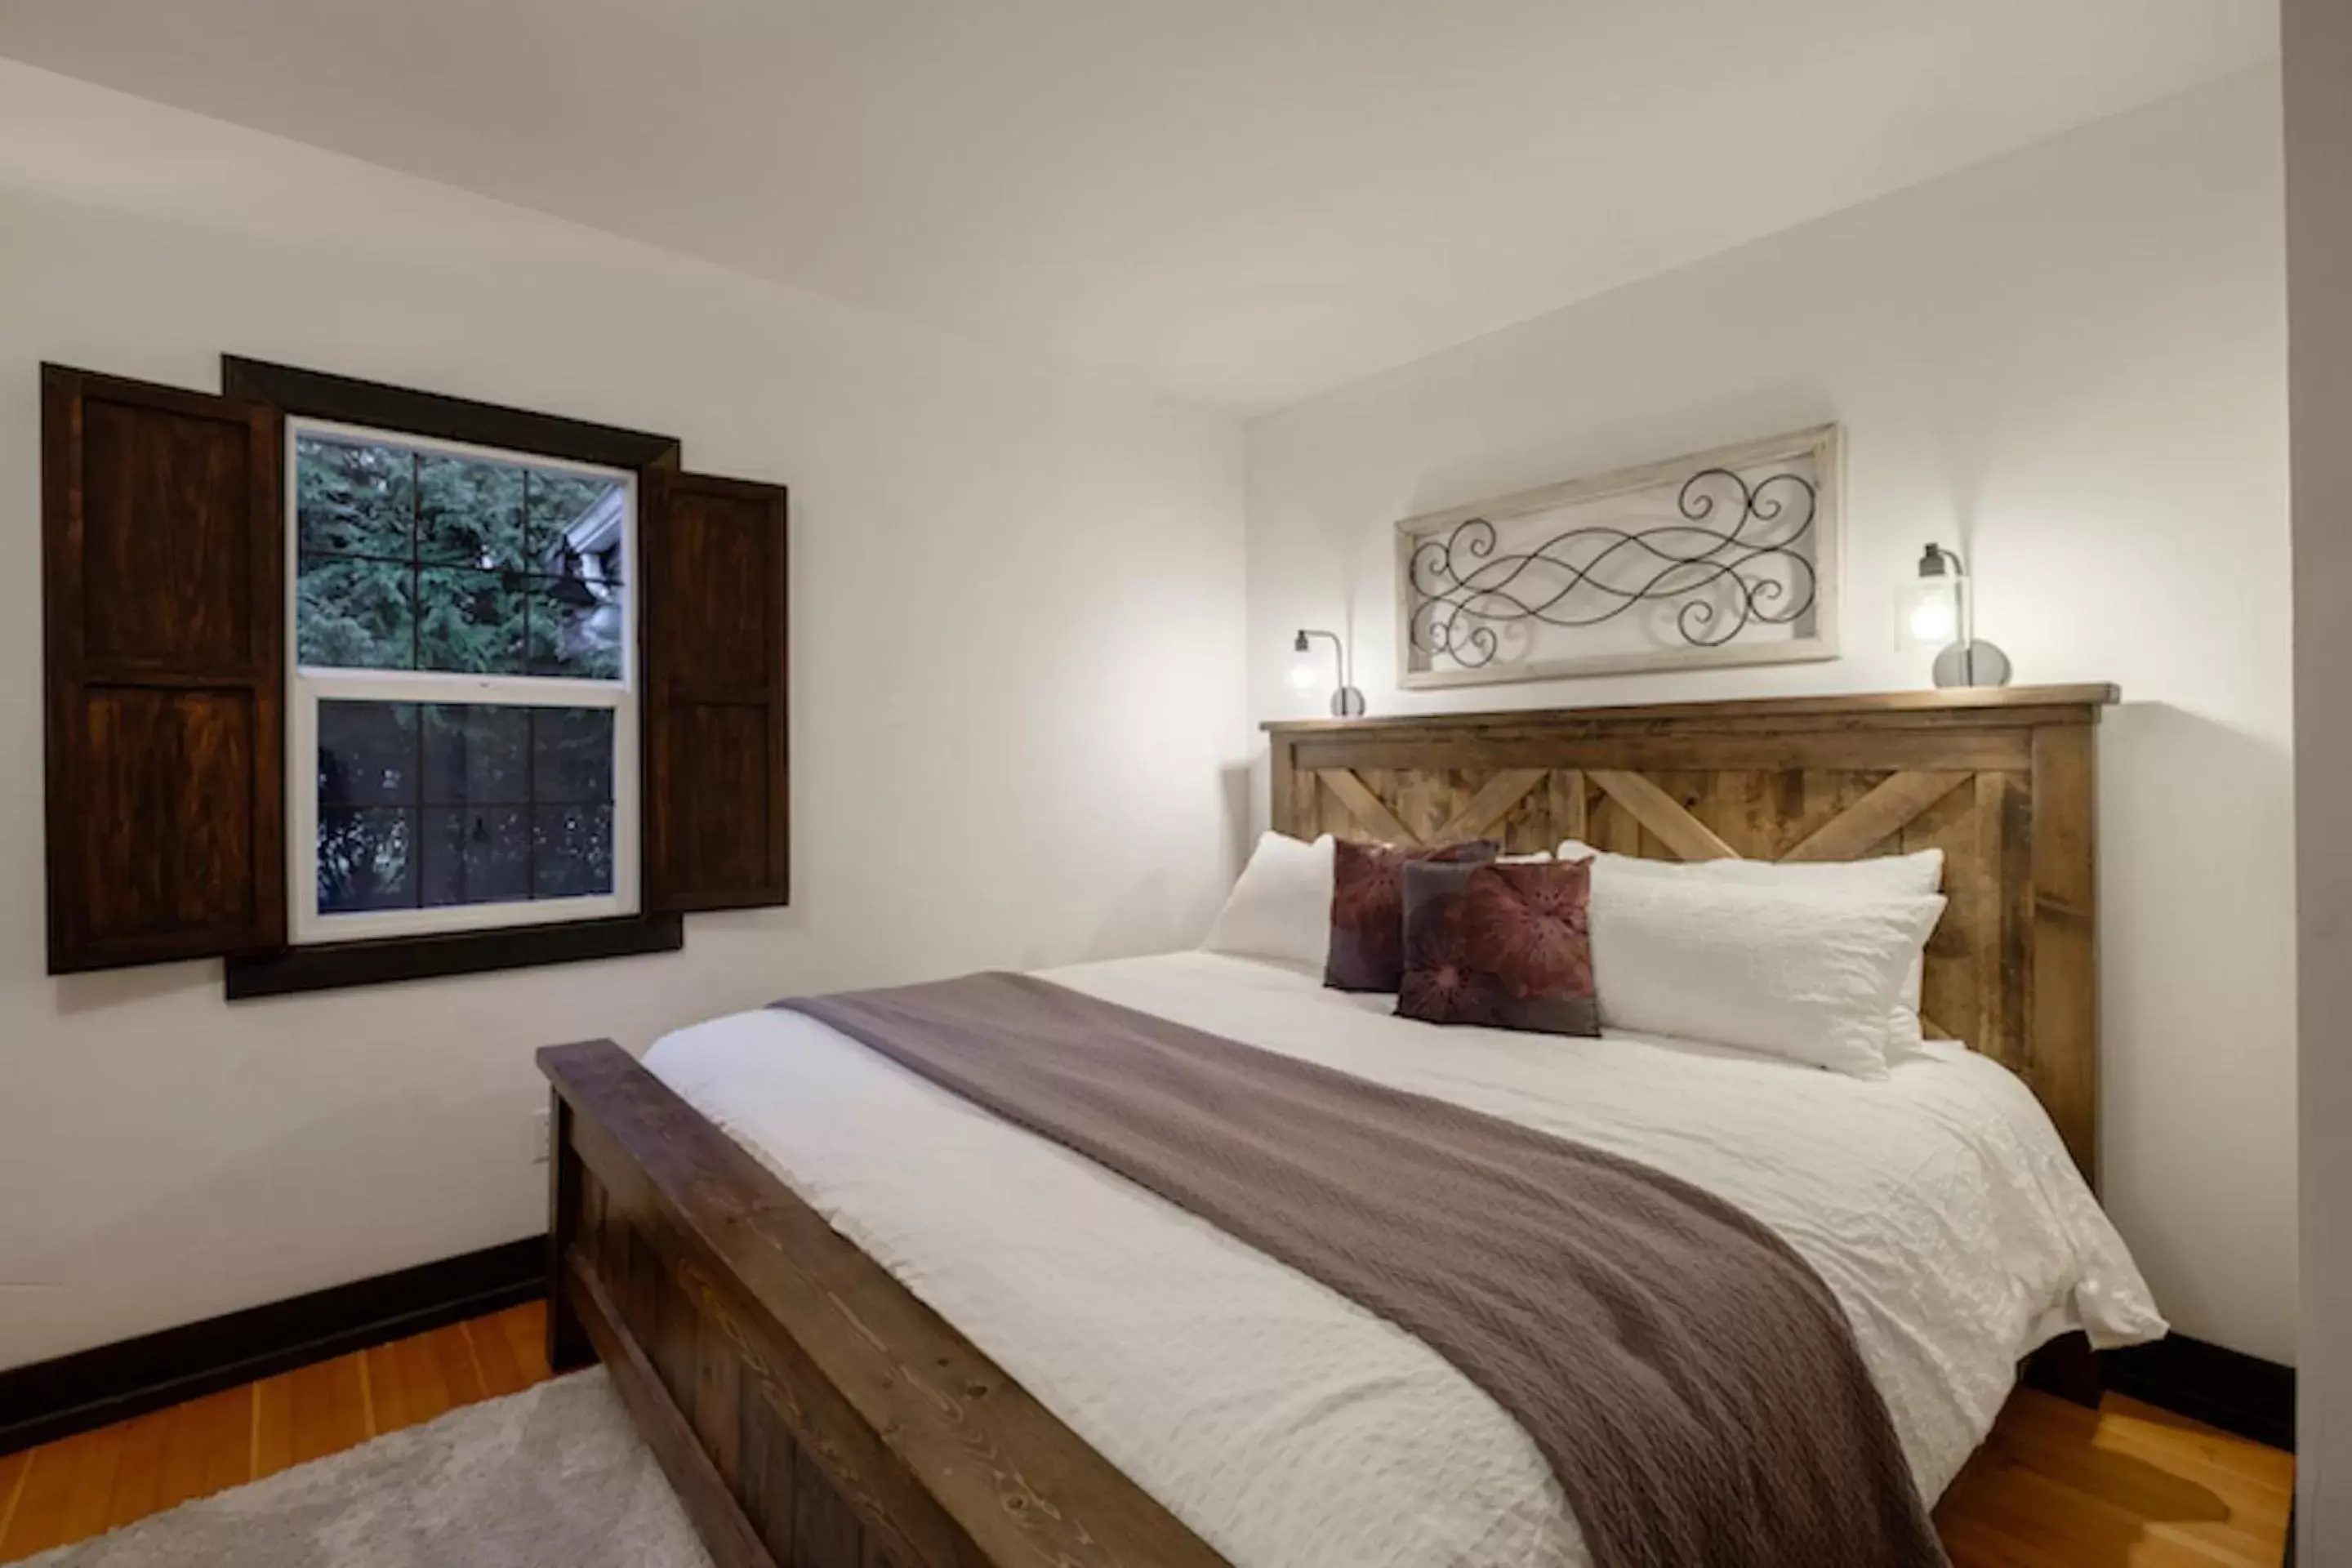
(1934, 620)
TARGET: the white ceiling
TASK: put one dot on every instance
(1240, 202)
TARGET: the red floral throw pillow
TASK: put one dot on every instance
(1368, 909)
(1506, 946)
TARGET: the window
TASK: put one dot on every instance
(462, 710)
(348, 683)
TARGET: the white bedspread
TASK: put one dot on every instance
(1289, 1426)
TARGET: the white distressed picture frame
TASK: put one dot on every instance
(1422, 665)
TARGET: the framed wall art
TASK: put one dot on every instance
(1724, 557)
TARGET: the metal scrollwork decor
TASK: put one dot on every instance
(1723, 557)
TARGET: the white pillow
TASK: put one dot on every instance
(1281, 908)
(1759, 967)
(1882, 877)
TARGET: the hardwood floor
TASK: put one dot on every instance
(97, 1481)
(2055, 1487)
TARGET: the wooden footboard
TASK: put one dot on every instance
(808, 1410)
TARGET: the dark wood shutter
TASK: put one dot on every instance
(163, 618)
(718, 775)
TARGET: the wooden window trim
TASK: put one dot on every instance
(347, 400)
(332, 966)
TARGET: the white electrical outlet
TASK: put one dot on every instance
(540, 1144)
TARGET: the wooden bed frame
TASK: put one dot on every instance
(811, 1413)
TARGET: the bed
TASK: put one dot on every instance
(863, 1322)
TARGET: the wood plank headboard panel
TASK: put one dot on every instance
(2000, 780)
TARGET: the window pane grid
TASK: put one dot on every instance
(471, 562)
(416, 583)
(425, 805)
(575, 496)
(461, 630)
(330, 557)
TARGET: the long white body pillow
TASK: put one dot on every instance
(1812, 979)
(1910, 876)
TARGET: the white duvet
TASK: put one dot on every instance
(1289, 1427)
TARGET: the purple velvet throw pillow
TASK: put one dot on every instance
(1506, 946)
(1368, 909)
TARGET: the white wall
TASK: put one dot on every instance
(2069, 363)
(2317, 38)
(1017, 635)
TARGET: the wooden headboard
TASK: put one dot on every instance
(2000, 780)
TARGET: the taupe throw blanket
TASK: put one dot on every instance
(1692, 1383)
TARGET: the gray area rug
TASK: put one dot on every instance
(554, 1476)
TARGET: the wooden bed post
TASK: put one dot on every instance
(806, 1409)
(568, 1348)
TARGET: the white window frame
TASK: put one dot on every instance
(309, 686)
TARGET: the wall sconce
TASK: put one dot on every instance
(1346, 703)
(1938, 610)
